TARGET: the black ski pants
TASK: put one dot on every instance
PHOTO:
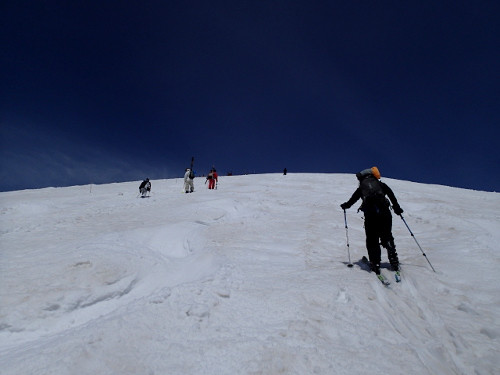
(378, 229)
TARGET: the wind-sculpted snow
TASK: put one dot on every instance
(250, 278)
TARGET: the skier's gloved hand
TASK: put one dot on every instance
(397, 210)
(344, 206)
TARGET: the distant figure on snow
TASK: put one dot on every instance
(145, 187)
(284, 172)
(189, 181)
(212, 179)
(378, 218)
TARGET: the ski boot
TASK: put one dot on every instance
(375, 267)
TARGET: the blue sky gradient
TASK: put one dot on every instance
(98, 92)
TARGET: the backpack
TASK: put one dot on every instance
(191, 175)
(370, 188)
(373, 195)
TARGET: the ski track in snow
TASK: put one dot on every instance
(250, 278)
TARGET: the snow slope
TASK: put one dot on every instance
(250, 278)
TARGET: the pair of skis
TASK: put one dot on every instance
(386, 282)
(381, 277)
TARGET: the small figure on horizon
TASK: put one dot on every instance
(378, 218)
(212, 179)
(145, 187)
(189, 181)
(284, 171)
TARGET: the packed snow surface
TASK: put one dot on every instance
(250, 278)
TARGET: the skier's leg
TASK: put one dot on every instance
(372, 244)
(392, 254)
(387, 241)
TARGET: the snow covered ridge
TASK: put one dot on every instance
(250, 278)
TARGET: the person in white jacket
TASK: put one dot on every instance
(188, 181)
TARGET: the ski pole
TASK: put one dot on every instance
(404, 221)
(347, 236)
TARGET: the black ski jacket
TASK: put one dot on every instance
(146, 184)
(368, 207)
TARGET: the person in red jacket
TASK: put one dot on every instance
(212, 179)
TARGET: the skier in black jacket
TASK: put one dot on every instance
(378, 218)
(145, 187)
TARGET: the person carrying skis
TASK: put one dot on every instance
(212, 178)
(378, 218)
(145, 187)
(189, 181)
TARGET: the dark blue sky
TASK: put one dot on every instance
(109, 91)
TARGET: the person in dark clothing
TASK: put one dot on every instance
(145, 187)
(378, 218)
